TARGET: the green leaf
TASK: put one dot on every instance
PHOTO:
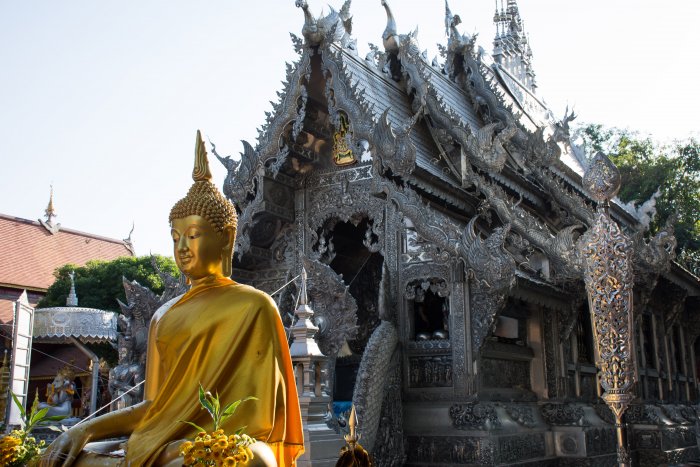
(203, 400)
(230, 409)
(19, 405)
(37, 416)
(55, 428)
(217, 404)
(54, 418)
(241, 430)
(197, 427)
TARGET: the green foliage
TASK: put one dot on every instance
(647, 166)
(99, 284)
(19, 448)
(212, 405)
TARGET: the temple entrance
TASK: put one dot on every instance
(360, 263)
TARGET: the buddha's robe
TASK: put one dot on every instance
(228, 337)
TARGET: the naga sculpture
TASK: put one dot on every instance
(396, 150)
(333, 27)
(493, 269)
(375, 368)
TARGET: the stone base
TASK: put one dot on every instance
(653, 458)
(321, 446)
(608, 460)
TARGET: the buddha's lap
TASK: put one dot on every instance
(99, 454)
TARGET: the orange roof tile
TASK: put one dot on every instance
(7, 314)
(29, 253)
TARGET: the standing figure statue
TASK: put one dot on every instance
(124, 378)
(227, 336)
(59, 394)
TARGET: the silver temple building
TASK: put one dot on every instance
(450, 184)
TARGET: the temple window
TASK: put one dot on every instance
(581, 368)
(511, 327)
(430, 309)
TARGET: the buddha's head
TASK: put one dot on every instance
(203, 225)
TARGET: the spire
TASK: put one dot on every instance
(72, 299)
(511, 46)
(50, 212)
(303, 298)
(304, 330)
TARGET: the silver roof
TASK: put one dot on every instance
(85, 324)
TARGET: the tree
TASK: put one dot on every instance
(98, 284)
(646, 167)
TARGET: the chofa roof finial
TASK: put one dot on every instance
(50, 212)
(451, 21)
(390, 37)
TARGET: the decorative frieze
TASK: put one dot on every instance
(430, 372)
(562, 414)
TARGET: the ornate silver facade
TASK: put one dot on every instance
(436, 207)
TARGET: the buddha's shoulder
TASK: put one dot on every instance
(246, 293)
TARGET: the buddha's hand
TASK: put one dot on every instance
(65, 449)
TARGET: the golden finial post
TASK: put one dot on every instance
(353, 454)
(352, 437)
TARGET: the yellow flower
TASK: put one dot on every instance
(242, 456)
(230, 461)
(199, 443)
(222, 443)
(186, 447)
(201, 434)
(199, 452)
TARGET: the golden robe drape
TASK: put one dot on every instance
(228, 337)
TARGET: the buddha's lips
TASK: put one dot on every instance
(185, 259)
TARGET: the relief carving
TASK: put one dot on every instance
(562, 414)
(474, 415)
(430, 372)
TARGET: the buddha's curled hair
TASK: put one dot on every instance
(204, 199)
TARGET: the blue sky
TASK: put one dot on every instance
(103, 99)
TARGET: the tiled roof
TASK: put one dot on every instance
(7, 313)
(29, 253)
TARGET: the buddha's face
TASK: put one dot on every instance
(197, 247)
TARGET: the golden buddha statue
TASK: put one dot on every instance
(224, 335)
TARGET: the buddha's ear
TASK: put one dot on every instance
(229, 234)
